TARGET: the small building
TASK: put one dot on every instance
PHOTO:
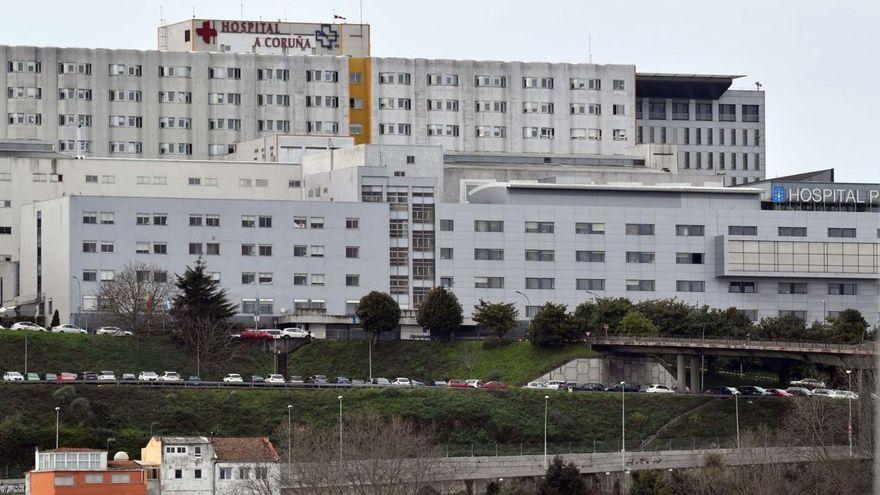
(77, 471)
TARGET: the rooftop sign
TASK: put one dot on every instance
(799, 193)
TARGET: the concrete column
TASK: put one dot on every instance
(695, 374)
(680, 375)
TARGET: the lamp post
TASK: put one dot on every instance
(528, 302)
(622, 425)
(849, 402)
(546, 405)
(340, 428)
(370, 356)
(57, 419)
(824, 312)
(289, 434)
(736, 406)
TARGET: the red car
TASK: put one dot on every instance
(777, 392)
(495, 386)
(255, 333)
(457, 384)
(67, 377)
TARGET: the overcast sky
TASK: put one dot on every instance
(816, 60)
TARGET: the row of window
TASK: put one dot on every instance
(703, 111)
(299, 279)
(698, 136)
(484, 106)
(528, 82)
(835, 289)
(497, 254)
(722, 163)
(208, 220)
(487, 131)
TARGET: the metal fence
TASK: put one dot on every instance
(581, 447)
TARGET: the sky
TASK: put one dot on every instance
(816, 60)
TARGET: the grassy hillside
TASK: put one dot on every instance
(91, 414)
(515, 363)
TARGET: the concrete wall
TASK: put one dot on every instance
(611, 370)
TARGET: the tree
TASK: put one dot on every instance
(56, 320)
(562, 479)
(848, 327)
(788, 327)
(498, 318)
(210, 340)
(609, 311)
(133, 299)
(378, 313)
(670, 316)
(649, 482)
(200, 297)
(552, 326)
(635, 323)
(440, 313)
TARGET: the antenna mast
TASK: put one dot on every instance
(163, 36)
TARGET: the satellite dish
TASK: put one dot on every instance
(283, 311)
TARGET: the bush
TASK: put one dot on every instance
(498, 318)
(635, 323)
(64, 395)
(552, 326)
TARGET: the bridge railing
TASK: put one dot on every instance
(581, 447)
(867, 347)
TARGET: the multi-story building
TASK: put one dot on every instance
(214, 83)
(77, 471)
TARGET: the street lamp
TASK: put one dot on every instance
(546, 405)
(528, 302)
(824, 312)
(849, 402)
(340, 428)
(57, 418)
(736, 406)
(622, 425)
(289, 434)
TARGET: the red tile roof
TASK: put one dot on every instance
(258, 449)
(124, 465)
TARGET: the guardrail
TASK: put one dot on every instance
(867, 348)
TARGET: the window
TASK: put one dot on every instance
(590, 284)
(300, 279)
(300, 251)
(93, 478)
(265, 249)
(640, 229)
(690, 286)
(352, 280)
(537, 82)
(488, 282)
(727, 113)
(801, 315)
(197, 474)
(750, 113)
(540, 255)
(639, 257)
(589, 228)
(352, 251)
(264, 221)
(490, 81)
(590, 256)
(488, 226)
(446, 253)
(689, 258)
(540, 283)
(539, 227)
(488, 254)
(841, 232)
(159, 248)
(489, 131)
(322, 76)
(90, 217)
(316, 251)
(633, 285)
(90, 275)
(843, 289)
(447, 225)
(195, 248)
(618, 109)
(394, 78)
(792, 231)
(317, 279)
(690, 230)
(265, 278)
(248, 250)
(64, 480)
(212, 248)
(742, 288)
(538, 132)
(618, 134)
(225, 473)
(742, 230)
(792, 288)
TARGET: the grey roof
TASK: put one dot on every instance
(185, 440)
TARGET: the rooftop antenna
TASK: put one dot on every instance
(758, 85)
(590, 48)
(241, 7)
(163, 37)
(285, 11)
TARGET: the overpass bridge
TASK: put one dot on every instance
(857, 356)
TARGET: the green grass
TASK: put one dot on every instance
(460, 417)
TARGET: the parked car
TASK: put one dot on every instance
(32, 377)
(50, 377)
(194, 380)
(381, 381)
(753, 390)
(28, 325)
(555, 385)
(823, 392)
(254, 333)
(416, 383)
(844, 394)
(12, 376)
(294, 333)
(457, 384)
(233, 378)
(778, 392)
(591, 387)
(113, 331)
(358, 382)
(341, 380)
(808, 383)
(257, 379)
(402, 382)
(67, 328)
(296, 380)
(721, 391)
(495, 385)
(128, 377)
(106, 376)
(799, 391)
(535, 385)
(659, 389)
(170, 376)
(317, 379)
(626, 387)
(148, 376)
(67, 377)
(275, 378)
(89, 376)
(437, 383)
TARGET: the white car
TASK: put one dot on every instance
(113, 331)
(809, 383)
(659, 389)
(555, 384)
(275, 378)
(12, 376)
(170, 376)
(27, 325)
(148, 376)
(535, 385)
(406, 382)
(67, 328)
(843, 394)
(106, 376)
(294, 333)
(232, 378)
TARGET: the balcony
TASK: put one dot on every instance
(704, 116)
(681, 116)
(727, 117)
(750, 118)
(656, 115)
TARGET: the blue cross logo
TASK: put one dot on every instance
(778, 194)
(327, 36)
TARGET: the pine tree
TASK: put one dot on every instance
(56, 320)
(562, 479)
(200, 296)
(440, 313)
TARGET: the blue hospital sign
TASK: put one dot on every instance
(778, 194)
